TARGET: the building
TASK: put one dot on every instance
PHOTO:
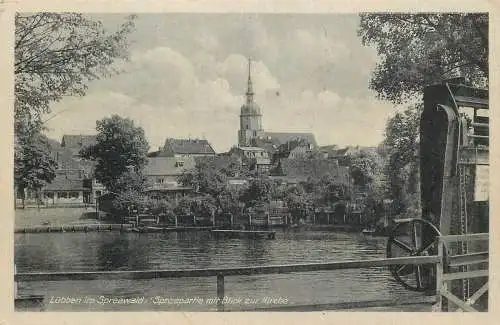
(183, 148)
(162, 174)
(254, 158)
(69, 187)
(303, 169)
(74, 143)
(251, 132)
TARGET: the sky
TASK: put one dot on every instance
(187, 77)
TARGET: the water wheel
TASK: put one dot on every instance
(413, 237)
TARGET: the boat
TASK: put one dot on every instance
(368, 231)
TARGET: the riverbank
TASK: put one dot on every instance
(31, 217)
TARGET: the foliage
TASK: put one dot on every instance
(33, 164)
(329, 191)
(258, 191)
(299, 202)
(130, 181)
(421, 49)
(57, 54)
(129, 199)
(120, 147)
(365, 166)
(401, 141)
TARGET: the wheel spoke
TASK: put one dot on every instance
(402, 245)
(401, 268)
(418, 276)
(414, 235)
(423, 249)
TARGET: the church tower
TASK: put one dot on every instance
(250, 116)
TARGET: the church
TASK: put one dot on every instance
(251, 133)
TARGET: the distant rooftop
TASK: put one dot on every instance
(171, 166)
(77, 141)
(187, 146)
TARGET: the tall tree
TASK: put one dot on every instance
(120, 147)
(55, 55)
(420, 49)
(33, 164)
(401, 140)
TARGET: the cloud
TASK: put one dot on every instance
(309, 73)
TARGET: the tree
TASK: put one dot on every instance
(120, 147)
(299, 202)
(421, 49)
(401, 140)
(365, 167)
(57, 54)
(33, 164)
(258, 191)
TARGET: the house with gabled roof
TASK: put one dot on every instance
(182, 148)
(76, 142)
(162, 174)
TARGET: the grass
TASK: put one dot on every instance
(55, 216)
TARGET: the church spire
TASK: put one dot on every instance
(250, 88)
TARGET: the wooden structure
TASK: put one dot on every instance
(450, 269)
(221, 273)
(454, 168)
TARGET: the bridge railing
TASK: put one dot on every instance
(442, 261)
(221, 273)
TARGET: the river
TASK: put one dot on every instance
(100, 251)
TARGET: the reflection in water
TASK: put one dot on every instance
(132, 251)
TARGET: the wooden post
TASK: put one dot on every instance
(176, 221)
(441, 285)
(15, 282)
(268, 220)
(220, 292)
(232, 220)
(213, 219)
(249, 220)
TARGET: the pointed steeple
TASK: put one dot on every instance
(250, 88)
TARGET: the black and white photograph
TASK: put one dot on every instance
(257, 162)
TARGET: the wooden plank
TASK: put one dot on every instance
(353, 304)
(465, 237)
(465, 275)
(251, 270)
(220, 292)
(472, 300)
(468, 259)
(451, 297)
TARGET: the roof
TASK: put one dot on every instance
(187, 146)
(302, 169)
(66, 159)
(63, 183)
(284, 137)
(252, 149)
(168, 166)
(77, 141)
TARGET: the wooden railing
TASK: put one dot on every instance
(220, 274)
(442, 262)
(444, 279)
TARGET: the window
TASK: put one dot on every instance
(160, 180)
(62, 195)
(97, 193)
(179, 164)
(49, 195)
(74, 195)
